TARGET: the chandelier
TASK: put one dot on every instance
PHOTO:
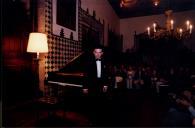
(156, 32)
(156, 2)
(127, 3)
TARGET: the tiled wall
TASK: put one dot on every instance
(62, 50)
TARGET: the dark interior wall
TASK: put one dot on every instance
(17, 65)
(164, 52)
(115, 41)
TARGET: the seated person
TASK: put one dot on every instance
(182, 112)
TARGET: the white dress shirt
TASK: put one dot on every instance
(98, 65)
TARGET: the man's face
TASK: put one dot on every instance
(98, 53)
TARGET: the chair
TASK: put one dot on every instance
(48, 103)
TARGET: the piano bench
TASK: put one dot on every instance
(47, 104)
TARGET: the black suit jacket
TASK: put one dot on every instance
(91, 81)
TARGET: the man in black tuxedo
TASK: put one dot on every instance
(97, 78)
(96, 86)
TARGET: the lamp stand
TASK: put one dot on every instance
(38, 55)
(37, 43)
(36, 76)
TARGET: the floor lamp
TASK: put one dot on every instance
(37, 43)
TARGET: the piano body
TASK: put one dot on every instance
(68, 80)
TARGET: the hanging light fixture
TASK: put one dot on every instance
(156, 32)
(156, 2)
(127, 3)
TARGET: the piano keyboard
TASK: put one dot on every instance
(65, 84)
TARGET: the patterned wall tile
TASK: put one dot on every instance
(63, 50)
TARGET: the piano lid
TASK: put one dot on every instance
(72, 73)
(76, 65)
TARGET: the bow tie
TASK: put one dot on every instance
(98, 59)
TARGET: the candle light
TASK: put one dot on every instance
(172, 24)
(148, 31)
(191, 28)
(187, 24)
(156, 3)
(180, 32)
(154, 25)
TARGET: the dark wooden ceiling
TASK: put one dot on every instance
(146, 7)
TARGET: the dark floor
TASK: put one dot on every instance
(122, 108)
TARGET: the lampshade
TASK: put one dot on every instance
(37, 42)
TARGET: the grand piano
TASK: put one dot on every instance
(68, 79)
(72, 74)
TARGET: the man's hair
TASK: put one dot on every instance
(98, 46)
